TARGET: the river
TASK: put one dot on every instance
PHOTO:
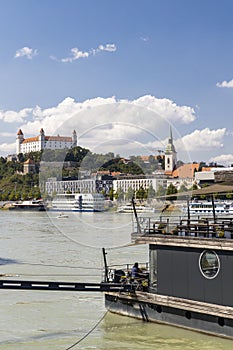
(40, 246)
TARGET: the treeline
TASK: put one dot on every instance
(15, 185)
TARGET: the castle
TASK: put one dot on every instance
(40, 142)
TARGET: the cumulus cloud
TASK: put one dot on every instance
(224, 159)
(225, 84)
(7, 148)
(106, 124)
(27, 52)
(167, 108)
(12, 116)
(203, 140)
(76, 54)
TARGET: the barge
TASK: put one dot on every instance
(189, 280)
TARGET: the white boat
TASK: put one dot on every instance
(78, 202)
(34, 205)
(128, 208)
(206, 208)
(62, 216)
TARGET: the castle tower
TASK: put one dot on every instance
(42, 139)
(74, 139)
(19, 140)
(170, 156)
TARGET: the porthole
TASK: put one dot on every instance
(221, 321)
(209, 264)
(159, 309)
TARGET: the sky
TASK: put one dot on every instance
(120, 73)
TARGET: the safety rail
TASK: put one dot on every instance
(221, 227)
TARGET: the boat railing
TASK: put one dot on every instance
(184, 226)
(122, 274)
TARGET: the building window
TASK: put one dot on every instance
(209, 264)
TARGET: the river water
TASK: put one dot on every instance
(40, 246)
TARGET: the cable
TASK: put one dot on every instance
(88, 333)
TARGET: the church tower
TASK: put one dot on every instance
(170, 156)
(19, 140)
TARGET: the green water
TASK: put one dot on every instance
(40, 246)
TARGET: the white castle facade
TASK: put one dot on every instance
(40, 142)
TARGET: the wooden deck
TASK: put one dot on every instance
(179, 303)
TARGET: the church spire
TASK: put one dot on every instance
(170, 155)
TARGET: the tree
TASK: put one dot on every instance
(119, 195)
(129, 194)
(171, 190)
(141, 193)
(111, 194)
(161, 191)
(150, 192)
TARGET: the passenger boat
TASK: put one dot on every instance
(206, 208)
(188, 281)
(128, 208)
(34, 205)
(79, 202)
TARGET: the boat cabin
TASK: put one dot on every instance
(189, 279)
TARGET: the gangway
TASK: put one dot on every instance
(65, 286)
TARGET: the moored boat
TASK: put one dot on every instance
(128, 208)
(78, 202)
(34, 205)
(188, 281)
(206, 208)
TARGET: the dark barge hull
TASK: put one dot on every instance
(206, 318)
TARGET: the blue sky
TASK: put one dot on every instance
(119, 72)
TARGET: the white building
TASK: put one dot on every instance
(140, 182)
(71, 186)
(40, 142)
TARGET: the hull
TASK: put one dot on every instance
(28, 208)
(75, 210)
(204, 322)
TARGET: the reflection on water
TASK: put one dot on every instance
(32, 247)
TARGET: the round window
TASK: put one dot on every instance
(209, 264)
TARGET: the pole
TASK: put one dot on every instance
(214, 215)
(136, 217)
(106, 279)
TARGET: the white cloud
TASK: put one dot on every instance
(6, 148)
(202, 140)
(224, 159)
(77, 54)
(225, 84)
(107, 47)
(26, 52)
(12, 116)
(107, 124)
(7, 134)
(167, 108)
